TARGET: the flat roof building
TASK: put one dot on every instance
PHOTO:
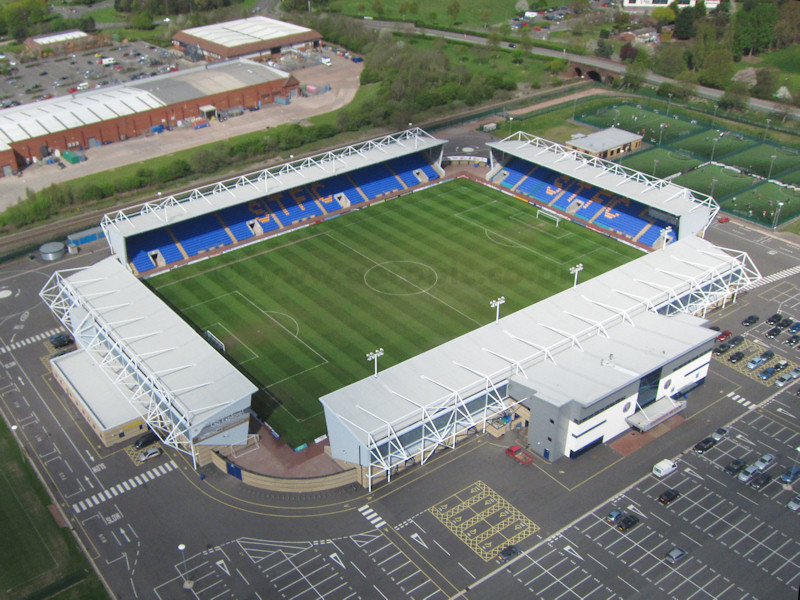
(607, 143)
(60, 43)
(250, 37)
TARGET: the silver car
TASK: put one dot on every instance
(794, 503)
(748, 473)
(765, 462)
(675, 555)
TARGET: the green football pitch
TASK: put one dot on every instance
(299, 312)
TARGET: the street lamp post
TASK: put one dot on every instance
(655, 164)
(187, 583)
(575, 270)
(510, 124)
(777, 216)
(771, 163)
(374, 356)
(713, 183)
(766, 130)
(497, 304)
(669, 104)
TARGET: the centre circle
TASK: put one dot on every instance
(468, 149)
(401, 278)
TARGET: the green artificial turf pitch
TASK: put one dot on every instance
(660, 162)
(299, 312)
(728, 181)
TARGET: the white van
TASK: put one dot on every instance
(83, 85)
(325, 61)
(664, 467)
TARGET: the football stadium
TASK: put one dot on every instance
(395, 303)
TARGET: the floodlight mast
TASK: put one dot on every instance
(374, 356)
(575, 270)
(497, 304)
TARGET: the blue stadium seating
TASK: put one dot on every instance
(375, 180)
(293, 209)
(236, 218)
(200, 234)
(405, 166)
(339, 184)
(140, 246)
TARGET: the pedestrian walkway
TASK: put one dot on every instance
(125, 486)
(743, 401)
(773, 278)
(371, 516)
(27, 341)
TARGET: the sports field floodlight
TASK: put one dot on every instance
(374, 356)
(766, 130)
(187, 583)
(669, 104)
(777, 216)
(655, 164)
(497, 304)
(713, 183)
(660, 133)
(575, 270)
(714, 148)
(771, 163)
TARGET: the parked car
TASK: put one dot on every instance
(767, 373)
(736, 341)
(675, 555)
(760, 481)
(614, 516)
(785, 322)
(704, 445)
(735, 466)
(760, 359)
(751, 320)
(794, 503)
(60, 340)
(780, 365)
(790, 475)
(795, 328)
(509, 552)
(150, 453)
(669, 496)
(747, 474)
(792, 340)
(724, 335)
(722, 348)
(765, 462)
(783, 379)
(736, 357)
(795, 373)
(628, 522)
(775, 319)
(774, 332)
(719, 434)
(147, 439)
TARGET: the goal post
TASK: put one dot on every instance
(543, 212)
(214, 341)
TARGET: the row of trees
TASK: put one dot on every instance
(169, 7)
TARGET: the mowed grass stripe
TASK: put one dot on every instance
(405, 275)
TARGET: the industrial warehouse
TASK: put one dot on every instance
(33, 132)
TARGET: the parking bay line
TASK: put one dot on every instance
(545, 571)
(556, 580)
(760, 542)
(774, 552)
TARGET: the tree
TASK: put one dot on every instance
(787, 31)
(767, 83)
(628, 52)
(700, 10)
(663, 14)
(453, 9)
(621, 19)
(717, 69)
(735, 97)
(377, 7)
(684, 24)
(754, 29)
(634, 76)
(604, 49)
(670, 59)
(705, 42)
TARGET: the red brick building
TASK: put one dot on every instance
(33, 131)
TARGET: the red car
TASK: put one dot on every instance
(724, 219)
(724, 336)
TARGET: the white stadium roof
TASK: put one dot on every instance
(198, 381)
(556, 343)
(600, 141)
(650, 191)
(245, 31)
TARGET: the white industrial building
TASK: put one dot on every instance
(581, 366)
(138, 362)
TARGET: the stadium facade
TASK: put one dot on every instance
(618, 351)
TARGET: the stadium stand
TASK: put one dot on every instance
(584, 201)
(201, 234)
(239, 223)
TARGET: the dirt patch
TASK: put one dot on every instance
(58, 516)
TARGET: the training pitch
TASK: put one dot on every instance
(298, 312)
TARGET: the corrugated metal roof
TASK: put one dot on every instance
(245, 31)
(600, 141)
(56, 38)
